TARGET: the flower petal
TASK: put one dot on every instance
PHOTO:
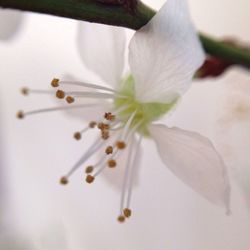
(9, 23)
(165, 53)
(101, 48)
(193, 159)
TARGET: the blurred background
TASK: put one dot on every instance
(39, 214)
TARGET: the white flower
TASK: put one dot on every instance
(9, 23)
(163, 57)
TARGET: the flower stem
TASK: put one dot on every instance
(119, 15)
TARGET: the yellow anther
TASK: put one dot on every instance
(20, 115)
(111, 163)
(77, 136)
(120, 144)
(109, 150)
(55, 83)
(64, 180)
(92, 124)
(25, 91)
(108, 116)
(70, 99)
(90, 179)
(121, 218)
(60, 94)
(127, 212)
(89, 169)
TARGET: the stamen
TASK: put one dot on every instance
(21, 114)
(93, 148)
(92, 124)
(121, 218)
(70, 99)
(60, 94)
(64, 180)
(109, 150)
(96, 95)
(55, 83)
(133, 166)
(103, 126)
(127, 126)
(127, 212)
(105, 134)
(102, 164)
(120, 144)
(111, 163)
(89, 169)
(109, 116)
(87, 85)
(90, 179)
(126, 176)
(77, 136)
(26, 91)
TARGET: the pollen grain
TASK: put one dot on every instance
(111, 163)
(64, 180)
(77, 136)
(20, 114)
(55, 83)
(90, 178)
(70, 99)
(60, 94)
(89, 169)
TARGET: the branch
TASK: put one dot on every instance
(116, 12)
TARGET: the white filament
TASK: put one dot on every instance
(132, 172)
(93, 148)
(87, 85)
(126, 175)
(58, 108)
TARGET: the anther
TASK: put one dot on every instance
(89, 169)
(92, 124)
(103, 126)
(105, 134)
(90, 179)
(109, 150)
(111, 163)
(64, 180)
(55, 83)
(108, 116)
(120, 144)
(60, 94)
(77, 136)
(70, 99)
(121, 218)
(127, 212)
(25, 91)
(20, 115)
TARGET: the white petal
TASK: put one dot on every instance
(193, 159)
(101, 48)
(165, 53)
(9, 23)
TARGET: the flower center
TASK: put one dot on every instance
(145, 112)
